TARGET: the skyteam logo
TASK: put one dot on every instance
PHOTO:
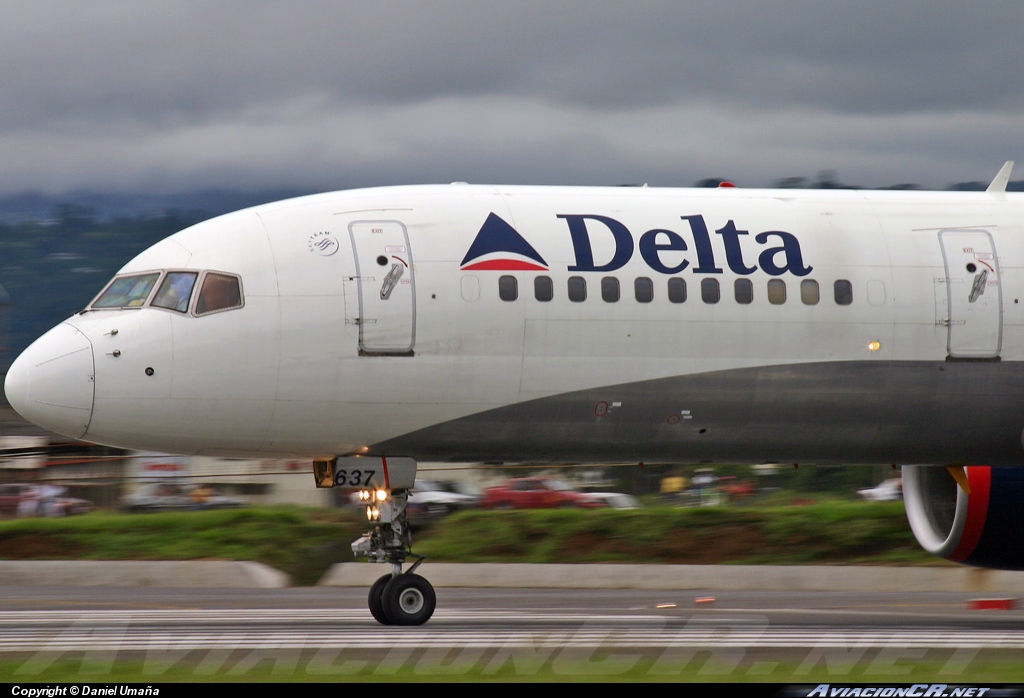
(499, 247)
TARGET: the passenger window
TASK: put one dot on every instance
(776, 291)
(176, 291)
(470, 288)
(610, 289)
(508, 288)
(844, 292)
(643, 288)
(709, 291)
(543, 289)
(744, 289)
(677, 290)
(577, 289)
(876, 292)
(127, 291)
(219, 292)
(809, 292)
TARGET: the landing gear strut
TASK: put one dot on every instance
(399, 598)
(384, 484)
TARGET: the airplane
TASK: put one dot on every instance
(372, 329)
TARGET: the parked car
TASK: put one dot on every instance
(428, 502)
(461, 487)
(11, 496)
(167, 496)
(615, 500)
(61, 505)
(40, 500)
(537, 493)
(888, 491)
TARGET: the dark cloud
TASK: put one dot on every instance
(128, 94)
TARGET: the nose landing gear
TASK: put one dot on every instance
(384, 485)
(399, 598)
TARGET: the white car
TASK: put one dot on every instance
(888, 491)
(428, 502)
(615, 500)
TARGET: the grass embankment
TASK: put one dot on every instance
(305, 542)
(834, 532)
(301, 542)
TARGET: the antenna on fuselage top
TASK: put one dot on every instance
(1002, 178)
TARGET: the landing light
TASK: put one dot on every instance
(381, 495)
(372, 513)
(874, 346)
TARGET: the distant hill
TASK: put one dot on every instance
(56, 253)
(34, 206)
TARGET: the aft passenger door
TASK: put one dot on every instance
(387, 287)
(973, 293)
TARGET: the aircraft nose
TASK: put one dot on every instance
(51, 383)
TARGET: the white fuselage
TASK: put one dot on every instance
(384, 321)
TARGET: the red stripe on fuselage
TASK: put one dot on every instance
(387, 478)
(504, 265)
(980, 479)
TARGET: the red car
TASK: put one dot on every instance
(537, 493)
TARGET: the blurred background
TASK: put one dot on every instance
(123, 122)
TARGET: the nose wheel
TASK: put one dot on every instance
(376, 600)
(407, 599)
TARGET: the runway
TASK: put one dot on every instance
(317, 631)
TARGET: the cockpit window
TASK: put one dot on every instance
(219, 292)
(176, 291)
(127, 291)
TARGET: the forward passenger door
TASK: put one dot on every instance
(973, 293)
(387, 287)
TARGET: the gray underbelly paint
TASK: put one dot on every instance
(828, 413)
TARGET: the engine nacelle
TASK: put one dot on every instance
(984, 528)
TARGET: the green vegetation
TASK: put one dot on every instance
(832, 532)
(301, 542)
(305, 542)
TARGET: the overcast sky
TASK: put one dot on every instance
(171, 96)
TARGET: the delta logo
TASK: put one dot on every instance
(499, 247)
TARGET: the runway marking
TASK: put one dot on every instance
(191, 617)
(128, 640)
(641, 613)
(149, 630)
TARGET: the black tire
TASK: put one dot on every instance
(409, 600)
(376, 600)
